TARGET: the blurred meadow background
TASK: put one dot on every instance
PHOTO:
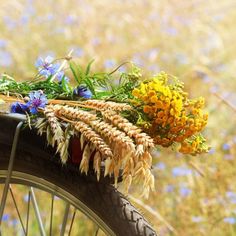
(192, 39)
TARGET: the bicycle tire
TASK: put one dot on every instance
(35, 158)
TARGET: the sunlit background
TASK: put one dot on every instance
(192, 39)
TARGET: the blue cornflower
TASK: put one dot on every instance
(226, 146)
(46, 67)
(230, 220)
(184, 191)
(18, 107)
(26, 198)
(37, 100)
(231, 196)
(15, 222)
(83, 91)
(5, 217)
(61, 75)
(108, 64)
(197, 219)
(5, 59)
(160, 166)
(169, 188)
(181, 171)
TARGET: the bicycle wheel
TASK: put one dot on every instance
(36, 165)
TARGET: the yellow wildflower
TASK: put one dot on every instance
(154, 99)
(170, 112)
(146, 109)
(135, 92)
(143, 88)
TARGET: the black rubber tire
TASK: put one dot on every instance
(35, 158)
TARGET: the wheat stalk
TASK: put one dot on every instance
(112, 139)
(94, 138)
(98, 105)
(97, 164)
(84, 164)
(62, 147)
(74, 114)
(41, 125)
(55, 125)
(143, 141)
(107, 131)
(104, 105)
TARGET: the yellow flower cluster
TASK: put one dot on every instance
(194, 146)
(170, 115)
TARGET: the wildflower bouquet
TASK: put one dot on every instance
(118, 117)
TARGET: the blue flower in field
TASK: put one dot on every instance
(169, 188)
(82, 91)
(160, 166)
(230, 220)
(225, 146)
(18, 107)
(9, 22)
(108, 64)
(70, 19)
(26, 198)
(5, 59)
(3, 43)
(212, 151)
(46, 67)
(137, 60)
(196, 219)
(37, 100)
(181, 171)
(95, 41)
(231, 196)
(184, 191)
(214, 89)
(171, 31)
(15, 222)
(5, 217)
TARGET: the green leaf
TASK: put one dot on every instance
(89, 84)
(73, 69)
(65, 85)
(89, 67)
(81, 74)
(49, 78)
(103, 94)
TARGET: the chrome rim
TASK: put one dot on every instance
(33, 184)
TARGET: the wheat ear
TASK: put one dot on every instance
(143, 140)
(55, 125)
(94, 138)
(104, 105)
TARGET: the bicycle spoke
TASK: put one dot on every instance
(72, 221)
(28, 211)
(63, 227)
(51, 216)
(9, 172)
(3, 201)
(17, 210)
(37, 213)
(30, 220)
(96, 233)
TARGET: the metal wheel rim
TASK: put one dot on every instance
(44, 185)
